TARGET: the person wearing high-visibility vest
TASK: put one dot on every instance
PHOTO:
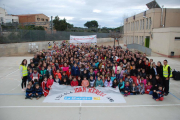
(23, 73)
(167, 73)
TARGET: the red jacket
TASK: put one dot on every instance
(74, 83)
(49, 83)
(68, 73)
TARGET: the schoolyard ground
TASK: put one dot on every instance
(13, 106)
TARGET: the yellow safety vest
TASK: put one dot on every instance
(24, 71)
(165, 71)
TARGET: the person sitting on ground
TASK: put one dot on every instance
(158, 95)
(134, 89)
(121, 85)
(141, 89)
(44, 87)
(148, 88)
(29, 92)
(38, 91)
(50, 82)
(126, 89)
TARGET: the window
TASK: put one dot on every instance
(38, 19)
(143, 40)
(143, 24)
(149, 23)
(146, 23)
(177, 38)
(135, 26)
(140, 24)
(46, 20)
(42, 19)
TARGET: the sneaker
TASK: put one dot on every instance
(37, 98)
(31, 98)
(23, 90)
(157, 99)
(166, 94)
(25, 97)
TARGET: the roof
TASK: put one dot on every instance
(31, 14)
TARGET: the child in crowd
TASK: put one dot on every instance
(44, 87)
(68, 73)
(64, 76)
(143, 81)
(35, 82)
(29, 75)
(126, 89)
(122, 72)
(85, 82)
(38, 91)
(113, 77)
(65, 68)
(141, 89)
(65, 82)
(79, 81)
(99, 82)
(108, 82)
(129, 79)
(35, 75)
(118, 76)
(121, 85)
(138, 81)
(134, 89)
(148, 88)
(50, 82)
(96, 71)
(143, 73)
(158, 95)
(58, 74)
(74, 82)
(29, 92)
(57, 80)
(91, 82)
(115, 83)
(42, 74)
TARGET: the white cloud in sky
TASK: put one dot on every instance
(96, 11)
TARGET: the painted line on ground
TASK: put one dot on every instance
(174, 95)
(126, 106)
(9, 74)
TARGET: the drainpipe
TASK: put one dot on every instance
(162, 17)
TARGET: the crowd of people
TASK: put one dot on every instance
(95, 66)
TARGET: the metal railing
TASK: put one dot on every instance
(139, 48)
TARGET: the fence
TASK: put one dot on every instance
(21, 35)
(139, 48)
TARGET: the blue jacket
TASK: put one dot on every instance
(39, 91)
(121, 85)
(75, 71)
(97, 64)
(112, 78)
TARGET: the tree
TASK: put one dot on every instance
(91, 24)
(116, 36)
(61, 25)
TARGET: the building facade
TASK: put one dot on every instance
(146, 27)
(7, 18)
(35, 19)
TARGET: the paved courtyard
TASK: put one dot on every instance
(13, 106)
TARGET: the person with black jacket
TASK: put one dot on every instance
(134, 71)
(160, 69)
(38, 91)
(35, 60)
(156, 82)
(153, 70)
(139, 64)
(29, 92)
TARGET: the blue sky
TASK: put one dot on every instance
(109, 13)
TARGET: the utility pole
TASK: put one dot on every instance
(51, 25)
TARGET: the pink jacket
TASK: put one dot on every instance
(65, 69)
(144, 82)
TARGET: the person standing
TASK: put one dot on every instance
(23, 73)
(167, 73)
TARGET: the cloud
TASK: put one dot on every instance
(109, 13)
(96, 11)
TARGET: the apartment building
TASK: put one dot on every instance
(35, 19)
(147, 29)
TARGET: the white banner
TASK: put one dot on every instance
(79, 94)
(83, 39)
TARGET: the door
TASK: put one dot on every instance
(147, 40)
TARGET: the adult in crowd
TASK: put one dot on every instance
(23, 73)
